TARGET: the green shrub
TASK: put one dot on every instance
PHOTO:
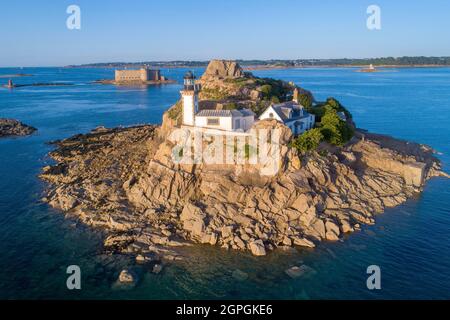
(334, 129)
(336, 105)
(333, 103)
(271, 87)
(305, 100)
(308, 140)
(320, 109)
(230, 106)
(175, 111)
(323, 153)
(259, 107)
(213, 94)
(240, 82)
(266, 91)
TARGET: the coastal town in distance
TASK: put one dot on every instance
(218, 175)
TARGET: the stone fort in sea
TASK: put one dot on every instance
(143, 74)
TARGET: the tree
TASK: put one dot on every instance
(334, 129)
(319, 109)
(333, 103)
(330, 127)
(308, 140)
(305, 100)
(266, 91)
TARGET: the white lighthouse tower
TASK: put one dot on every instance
(190, 99)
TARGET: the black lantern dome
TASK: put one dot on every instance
(189, 81)
(189, 75)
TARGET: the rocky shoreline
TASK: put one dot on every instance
(15, 75)
(124, 181)
(39, 84)
(121, 180)
(11, 127)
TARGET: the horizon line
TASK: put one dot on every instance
(207, 60)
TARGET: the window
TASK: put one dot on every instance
(271, 114)
(212, 121)
(237, 123)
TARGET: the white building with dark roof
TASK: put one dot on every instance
(228, 120)
(292, 114)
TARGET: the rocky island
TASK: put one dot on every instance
(11, 127)
(331, 179)
(370, 68)
(12, 85)
(15, 75)
(142, 76)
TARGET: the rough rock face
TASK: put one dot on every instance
(127, 276)
(123, 180)
(223, 69)
(225, 86)
(11, 127)
(225, 81)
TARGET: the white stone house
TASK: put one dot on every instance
(228, 120)
(292, 114)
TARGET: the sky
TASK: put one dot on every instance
(34, 32)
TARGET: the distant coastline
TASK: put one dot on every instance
(264, 67)
(272, 67)
(386, 62)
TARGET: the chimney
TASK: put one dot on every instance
(295, 95)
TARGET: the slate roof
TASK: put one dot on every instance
(284, 109)
(225, 113)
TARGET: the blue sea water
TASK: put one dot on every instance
(410, 243)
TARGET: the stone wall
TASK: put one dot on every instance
(137, 75)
